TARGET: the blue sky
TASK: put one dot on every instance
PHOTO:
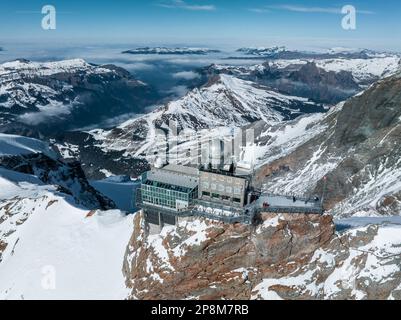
(297, 23)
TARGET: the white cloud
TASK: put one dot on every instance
(179, 91)
(304, 9)
(186, 75)
(259, 10)
(180, 4)
(48, 113)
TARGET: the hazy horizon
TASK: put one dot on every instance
(304, 24)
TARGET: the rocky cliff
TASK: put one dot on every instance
(286, 256)
(355, 146)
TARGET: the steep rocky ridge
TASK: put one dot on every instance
(287, 256)
(356, 146)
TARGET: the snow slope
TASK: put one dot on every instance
(51, 247)
(11, 145)
(54, 249)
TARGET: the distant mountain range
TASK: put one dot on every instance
(172, 51)
(38, 97)
(334, 53)
(262, 51)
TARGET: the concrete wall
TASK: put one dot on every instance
(225, 186)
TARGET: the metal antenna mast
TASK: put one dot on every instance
(324, 189)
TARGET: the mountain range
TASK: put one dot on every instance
(171, 51)
(38, 98)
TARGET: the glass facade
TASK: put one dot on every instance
(165, 195)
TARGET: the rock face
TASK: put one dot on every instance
(69, 178)
(356, 146)
(285, 257)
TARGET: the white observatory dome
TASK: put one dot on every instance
(216, 153)
(159, 163)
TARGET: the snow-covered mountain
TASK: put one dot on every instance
(172, 51)
(325, 80)
(262, 51)
(224, 102)
(41, 96)
(60, 238)
(55, 241)
(355, 146)
(233, 96)
(52, 247)
(281, 52)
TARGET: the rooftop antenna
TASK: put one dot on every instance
(324, 190)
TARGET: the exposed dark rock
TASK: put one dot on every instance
(288, 256)
(69, 178)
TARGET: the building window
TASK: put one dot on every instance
(225, 198)
(237, 190)
(237, 200)
(215, 195)
(204, 193)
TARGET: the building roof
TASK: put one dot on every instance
(182, 169)
(175, 178)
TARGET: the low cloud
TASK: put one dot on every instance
(49, 113)
(178, 91)
(186, 75)
(180, 4)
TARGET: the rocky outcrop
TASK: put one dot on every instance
(210, 260)
(285, 257)
(69, 178)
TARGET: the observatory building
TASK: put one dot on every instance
(220, 188)
(172, 187)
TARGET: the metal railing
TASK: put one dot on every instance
(239, 215)
(279, 209)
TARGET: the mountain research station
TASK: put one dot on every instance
(215, 190)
